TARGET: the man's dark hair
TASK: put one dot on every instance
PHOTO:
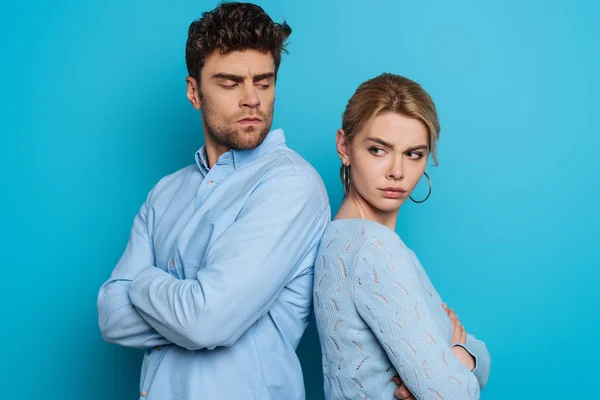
(234, 27)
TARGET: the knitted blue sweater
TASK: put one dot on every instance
(378, 315)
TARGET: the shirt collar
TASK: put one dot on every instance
(241, 157)
(202, 160)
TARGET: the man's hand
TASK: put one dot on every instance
(459, 335)
(402, 391)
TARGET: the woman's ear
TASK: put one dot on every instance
(342, 146)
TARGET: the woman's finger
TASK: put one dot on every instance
(458, 321)
(455, 332)
(451, 314)
(401, 391)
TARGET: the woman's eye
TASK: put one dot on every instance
(376, 151)
(415, 155)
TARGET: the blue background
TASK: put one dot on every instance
(93, 113)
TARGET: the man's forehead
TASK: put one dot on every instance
(246, 63)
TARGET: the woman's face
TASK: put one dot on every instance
(387, 159)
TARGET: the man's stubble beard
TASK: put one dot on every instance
(223, 133)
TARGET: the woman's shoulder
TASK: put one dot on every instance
(363, 237)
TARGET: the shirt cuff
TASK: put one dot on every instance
(466, 347)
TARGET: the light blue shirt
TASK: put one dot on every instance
(379, 315)
(216, 280)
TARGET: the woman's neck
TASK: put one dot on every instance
(354, 206)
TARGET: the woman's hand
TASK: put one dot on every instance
(459, 335)
(402, 392)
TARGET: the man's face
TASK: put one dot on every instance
(236, 96)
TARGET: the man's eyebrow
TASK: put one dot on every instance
(230, 77)
(260, 77)
(240, 79)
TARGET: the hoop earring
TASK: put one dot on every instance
(428, 194)
(346, 178)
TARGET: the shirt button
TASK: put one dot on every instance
(144, 393)
(211, 182)
(171, 264)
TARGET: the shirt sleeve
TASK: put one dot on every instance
(390, 298)
(119, 320)
(245, 269)
(480, 353)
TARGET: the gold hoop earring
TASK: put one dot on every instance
(428, 194)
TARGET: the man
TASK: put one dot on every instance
(216, 280)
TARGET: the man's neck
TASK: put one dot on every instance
(213, 150)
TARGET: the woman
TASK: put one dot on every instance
(377, 313)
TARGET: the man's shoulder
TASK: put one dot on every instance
(172, 181)
(284, 160)
(284, 163)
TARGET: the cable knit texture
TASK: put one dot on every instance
(378, 315)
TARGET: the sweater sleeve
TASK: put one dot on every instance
(390, 297)
(480, 353)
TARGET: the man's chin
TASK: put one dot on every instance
(251, 129)
(249, 139)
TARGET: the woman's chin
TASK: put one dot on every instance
(389, 205)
